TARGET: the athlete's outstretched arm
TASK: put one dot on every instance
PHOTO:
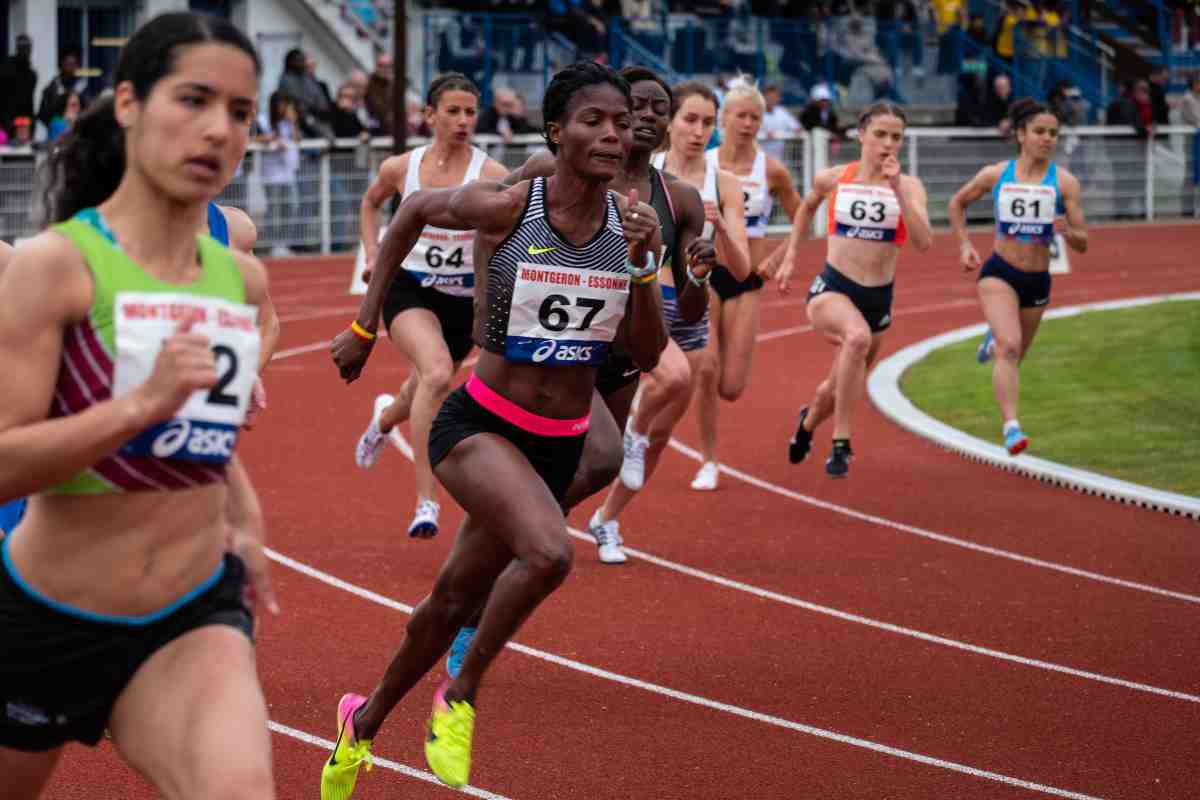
(480, 205)
(971, 191)
(1075, 231)
(788, 254)
(388, 181)
(46, 288)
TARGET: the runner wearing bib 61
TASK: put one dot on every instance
(873, 210)
(1030, 193)
(428, 312)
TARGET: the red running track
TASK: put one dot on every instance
(929, 628)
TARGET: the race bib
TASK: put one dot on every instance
(870, 213)
(206, 427)
(444, 260)
(564, 316)
(1024, 209)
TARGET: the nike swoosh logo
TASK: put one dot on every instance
(537, 251)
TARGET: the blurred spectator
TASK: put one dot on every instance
(54, 96)
(358, 80)
(899, 31)
(1189, 108)
(1072, 109)
(1127, 159)
(505, 117)
(280, 132)
(346, 123)
(777, 123)
(19, 78)
(62, 123)
(995, 110)
(1160, 109)
(950, 17)
(819, 112)
(414, 116)
(853, 45)
(587, 26)
(348, 166)
(1004, 41)
(22, 135)
(379, 93)
(310, 96)
(970, 110)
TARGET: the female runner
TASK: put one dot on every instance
(428, 312)
(873, 210)
(1029, 193)
(131, 343)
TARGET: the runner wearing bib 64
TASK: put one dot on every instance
(428, 312)
(562, 263)
(1030, 194)
(131, 345)
(873, 210)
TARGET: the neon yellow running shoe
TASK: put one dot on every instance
(448, 745)
(340, 772)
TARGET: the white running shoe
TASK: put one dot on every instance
(608, 539)
(706, 477)
(633, 467)
(425, 520)
(370, 444)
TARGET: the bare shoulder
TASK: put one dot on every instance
(1068, 182)
(48, 270)
(911, 183)
(393, 169)
(991, 173)
(826, 179)
(254, 276)
(777, 171)
(493, 170)
(243, 233)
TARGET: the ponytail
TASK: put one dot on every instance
(85, 164)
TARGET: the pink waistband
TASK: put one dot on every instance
(525, 420)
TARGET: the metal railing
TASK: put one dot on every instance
(316, 211)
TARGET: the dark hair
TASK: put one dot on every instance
(637, 74)
(449, 82)
(86, 164)
(1025, 109)
(275, 106)
(570, 80)
(682, 91)
(294, 60)
(67, 53)
(881, 109)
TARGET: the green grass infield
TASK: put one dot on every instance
(1114, 392)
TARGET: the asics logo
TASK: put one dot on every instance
(537, 251)
(864, 233)
(428, 280)
(545, 351)
(171, 440)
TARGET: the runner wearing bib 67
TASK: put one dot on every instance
(562, 264)
(428, 312)
(873, 210)
(131, 346)
(1029, 193)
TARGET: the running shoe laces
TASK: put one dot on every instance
(370, 444)
(633, 467)
(608, 541)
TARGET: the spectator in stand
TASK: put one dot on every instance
(1004, 41)
(379, 93)
(505, 116)
(1127, 159)
(62, 123)
(346, 122)
(777, 123)
(22, 135)
(54, 96)
(588, 26)
(995, 110)
(1189, 108)
(819, 112)
(1072, 109)
(972, 95)
(1160, 109)
(312, 101)
(414, 115)
(358, 80)
(950, 16)
(348, 166)
(280, 166)
(20, 80)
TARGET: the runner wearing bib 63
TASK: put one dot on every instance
(428, 312)
(1030, 194)
(873, 211)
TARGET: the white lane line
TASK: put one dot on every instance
(697, 700)
(405, 448)
(934, 536)
(308, 314)
(279, 355)
(394, 766)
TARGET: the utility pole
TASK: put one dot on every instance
(399, 75)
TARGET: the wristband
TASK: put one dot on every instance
(362, 332)
(646, 274)
(698, 282)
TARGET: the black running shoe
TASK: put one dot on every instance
(801, 443)
(838, 464)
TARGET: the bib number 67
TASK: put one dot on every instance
(554, 316)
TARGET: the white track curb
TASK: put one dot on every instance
(884, 389)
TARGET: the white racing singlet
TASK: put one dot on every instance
(443, 259)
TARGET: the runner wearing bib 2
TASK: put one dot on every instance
(873, 211)
(428, 312)
(562, 264)
(1029, 194)
(131, 345)
(735, 314)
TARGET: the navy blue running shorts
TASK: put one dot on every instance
(873, 302)
(1032, 288)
